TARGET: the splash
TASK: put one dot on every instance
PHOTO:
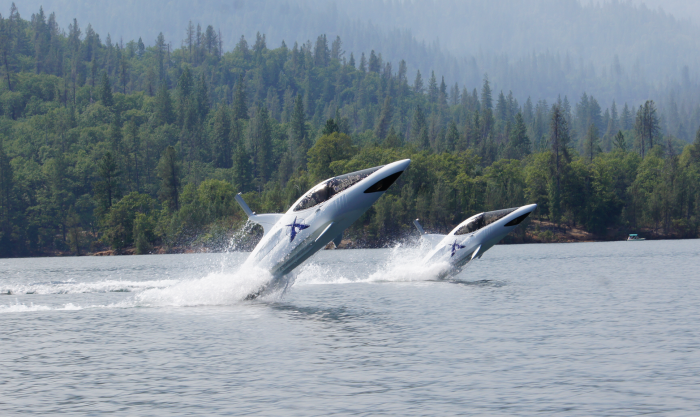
(404, 264)
(217, 288)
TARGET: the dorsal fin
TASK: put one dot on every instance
(267, 221)
(431, 239)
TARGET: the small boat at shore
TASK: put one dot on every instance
(634, 238)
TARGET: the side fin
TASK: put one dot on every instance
(476, 253)
(432, 239)
(324, 231)
(264, 220)
(338, 239)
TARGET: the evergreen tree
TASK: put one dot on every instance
(452, 137)
(418, 83)
(298, 142)
(432, 88)
(591, 143)
(374, 64)
(163, 107)
(363, 63)
(418, 127)
(501, 108)
(486, 102)
(169, 173)
(106, 91)
(222, 138)
(558, 139)
(107, 190)
(392, 139)
(519, 143)
(384, 121)
(260, 144)
(242, 172)
(619, 141)
(240, 108)
(626, 118)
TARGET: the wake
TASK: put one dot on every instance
(404, 264)
(216, 288)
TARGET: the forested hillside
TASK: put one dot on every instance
(117, 144)
(613, 49)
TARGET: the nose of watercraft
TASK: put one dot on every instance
(399, 166)
(529, 208)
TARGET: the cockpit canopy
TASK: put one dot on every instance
(327, 189)
(482, 220)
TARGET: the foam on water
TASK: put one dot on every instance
(18, 307)
(402, 265)
(73, 287)
(217, 288)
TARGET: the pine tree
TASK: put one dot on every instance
(169, 173)
(442, 96)
(558, 140)
(519, 144)
(106, 91)
(242, 177)
(452, 137)
(418, 83)
(432, 88)
(626, 118)
(591, 143)
(240, 108)
(501, 108)
(163, 107)
(374, 64)
(486, 102)
(392, 139)
(384, 121)
(260, 144)
(418, 126)
(363, 63)
(619, 141)
(221, 135)
(107, 190)
(298, 143)
(337, 49)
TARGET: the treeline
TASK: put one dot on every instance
(105, 144)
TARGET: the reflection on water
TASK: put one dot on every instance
(577, 329)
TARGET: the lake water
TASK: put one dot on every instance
(572, 329)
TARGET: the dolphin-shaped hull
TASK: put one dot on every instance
(317, 218)
(471, 238)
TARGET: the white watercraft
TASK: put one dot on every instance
(634, 238)
(471, 238)
(317, 218)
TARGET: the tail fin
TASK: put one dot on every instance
(267, 221)
(432, 239)
(419, 227)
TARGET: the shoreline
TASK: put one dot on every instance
(536, 232)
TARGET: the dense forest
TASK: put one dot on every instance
(613, 49)
(116, 144)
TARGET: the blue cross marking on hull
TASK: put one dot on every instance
(456, 246)
(296, 226)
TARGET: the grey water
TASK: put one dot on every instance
(572, 329)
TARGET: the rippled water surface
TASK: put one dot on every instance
(571, 329)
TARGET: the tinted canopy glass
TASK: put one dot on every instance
(329, 188)
(483, 220)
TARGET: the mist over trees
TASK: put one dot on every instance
(137, 143)
(614, 50)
